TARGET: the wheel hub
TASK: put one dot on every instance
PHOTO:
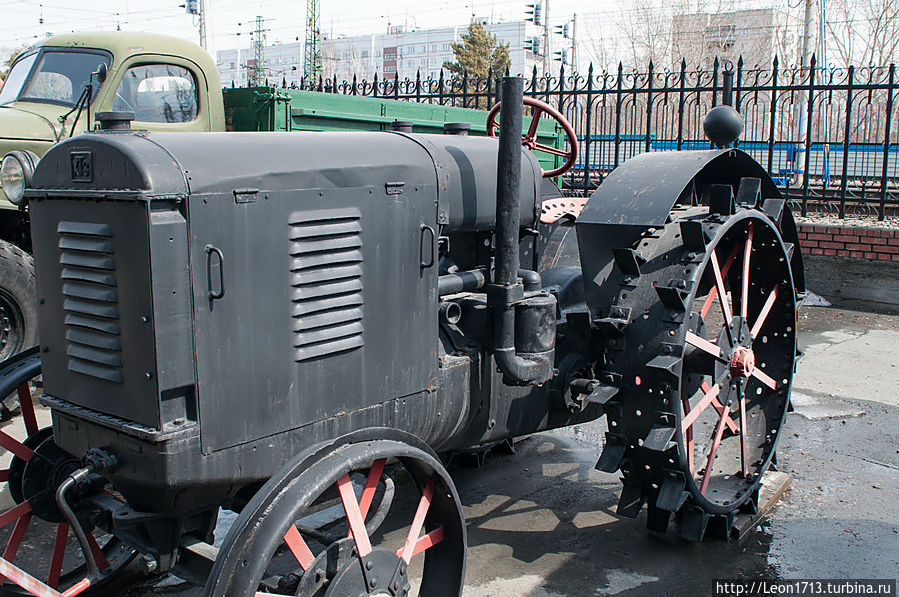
(10, 326)
(42, 475)
(5, 326)
(742, 362)
(17, 465)
(380, 573)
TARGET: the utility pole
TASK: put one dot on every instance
(574, 42)
(202, 17)
(196, 8)
(259, 51)
(312, 62)
(547, 50)
(804, 60)
(807, 34)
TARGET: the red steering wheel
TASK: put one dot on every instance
(529, 139)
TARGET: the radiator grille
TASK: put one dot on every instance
(326, 281)
(91, 301)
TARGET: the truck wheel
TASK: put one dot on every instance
(18, 301)
(334, 523)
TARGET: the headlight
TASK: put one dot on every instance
(15, 174)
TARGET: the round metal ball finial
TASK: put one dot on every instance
(722, 126)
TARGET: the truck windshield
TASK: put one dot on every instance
(54, 76)
(16, 79)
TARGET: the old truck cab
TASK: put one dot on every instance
(53, 91)
(169, 84)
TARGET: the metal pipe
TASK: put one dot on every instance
(74, 479)
(461, 282)
(531, 279)
(506, 288)
(471, 280)
(508, 183)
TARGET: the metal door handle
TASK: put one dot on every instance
(430, 231)
(213, 295)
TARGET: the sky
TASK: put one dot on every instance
(230, 22)
(285, 19)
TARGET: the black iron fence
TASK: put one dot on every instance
(826, 135)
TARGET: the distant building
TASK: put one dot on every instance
(398, 52)
(283, 62)
(758, 35)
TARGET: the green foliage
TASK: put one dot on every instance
(478, 53)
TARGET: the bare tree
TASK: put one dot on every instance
(640, 32)
(863, 32)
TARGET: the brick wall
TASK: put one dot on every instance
(876, 244)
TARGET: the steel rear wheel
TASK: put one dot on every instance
(705, 365)
(41, 553)
(331, 526)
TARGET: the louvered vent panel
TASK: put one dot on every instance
(326, 281)
(91, 302)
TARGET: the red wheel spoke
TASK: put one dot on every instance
(368, 494)
(418, 522)
(33, 585)
(707, 475)
(354, 516)
(298, 547)
(744, 298)
(535, 121)
(99, 556)
(15, 446)
(552, 150)
(691, 417)
(82, 586)
(426, 542)
(4, 475)
(764, 378)
(27, 404)
(15, 538)
(713, 294)
(689, 435)
(744, 460)
(769, 302)
(14, 513)
(716, 404)
(704, 345)
(59, 554)
(719, 284)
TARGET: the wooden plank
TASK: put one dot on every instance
(774, 485)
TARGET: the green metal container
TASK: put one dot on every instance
(277, 109)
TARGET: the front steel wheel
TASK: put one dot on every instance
(378, 518)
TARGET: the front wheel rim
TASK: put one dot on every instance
(272, 531)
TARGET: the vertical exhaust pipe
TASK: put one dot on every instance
(507, 291)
